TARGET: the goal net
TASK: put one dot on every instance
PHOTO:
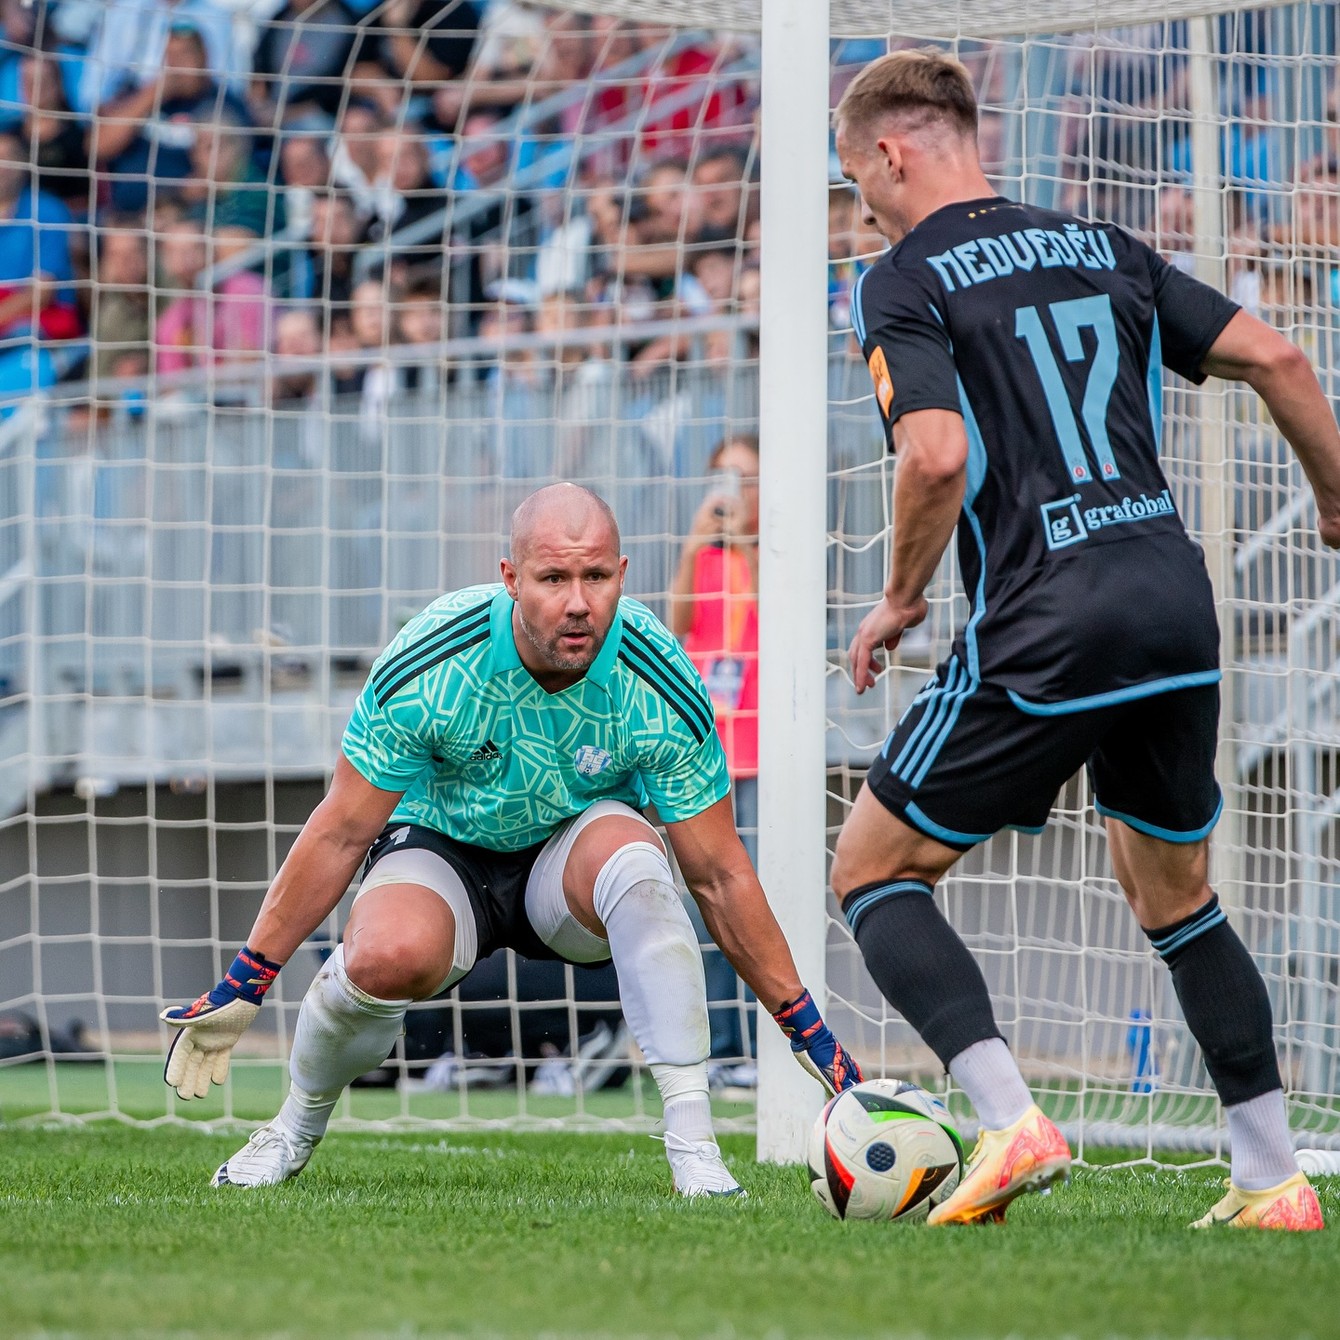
(344, 292)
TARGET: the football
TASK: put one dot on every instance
(884, 1149)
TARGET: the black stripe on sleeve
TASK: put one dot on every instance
(427, 646)
(657, 661)
(672, 699)
(385, 694)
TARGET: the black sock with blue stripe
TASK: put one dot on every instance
(921, 965)
(1224, 999)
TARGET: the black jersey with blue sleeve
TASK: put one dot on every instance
(1049, 336)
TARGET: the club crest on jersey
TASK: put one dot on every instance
(879, 374)
(590, 761)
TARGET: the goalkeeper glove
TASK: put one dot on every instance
(200, 1053)
(815, 1047)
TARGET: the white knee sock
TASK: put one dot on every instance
(342, 1033)
(987, 1073)
(661, 983)
(1259, 1143)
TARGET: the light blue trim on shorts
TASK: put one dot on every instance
(1164, 834)
(1197, 679)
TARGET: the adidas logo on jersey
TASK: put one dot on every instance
(486, 753)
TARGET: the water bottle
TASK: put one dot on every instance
(1140, 1048)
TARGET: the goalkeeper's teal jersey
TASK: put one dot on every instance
(451, 717)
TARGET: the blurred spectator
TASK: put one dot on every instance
(484, 233)
(226, 189)
(18, 31)
(373, 325)
(678, 74)
(422, 320)
(323, 271)
(714, 603)
(1327, 160)
(1175, 228)
(304, 169)
(301, 62)
(714, 613)
(304, 162)
(750, 305)
(146, 135)
(842, 270)
(714, 271)
(297, 335)
(204, 328)
(37, 300)
(721, 200)
(354, 162)
(672, 211)
(57, 142)
(422, 43)
(556, 55)
(130, 49)
(509, 315)
(119, 320)
(404, 192)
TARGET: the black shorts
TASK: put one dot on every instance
(965, 761)
(494, 880)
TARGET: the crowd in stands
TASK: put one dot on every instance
(191, 184)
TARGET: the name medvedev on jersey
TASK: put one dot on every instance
(485, 755)
(1049, 336)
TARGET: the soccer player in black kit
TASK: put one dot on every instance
(1017, 360)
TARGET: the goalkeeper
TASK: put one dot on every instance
(491, 783)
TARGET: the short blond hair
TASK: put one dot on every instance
(920, 87)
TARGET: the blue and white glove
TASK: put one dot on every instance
(210, 1027)
(815, 1047)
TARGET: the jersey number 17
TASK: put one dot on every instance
(1069, 318)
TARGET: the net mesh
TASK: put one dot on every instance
(346, 284)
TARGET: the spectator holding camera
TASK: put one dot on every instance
(714, 613)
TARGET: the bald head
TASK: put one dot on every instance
(565, 576)
(561, 512)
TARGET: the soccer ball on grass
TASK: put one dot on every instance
(884, 1149)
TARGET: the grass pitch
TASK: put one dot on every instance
(110, 1230)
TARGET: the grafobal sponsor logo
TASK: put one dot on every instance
(1065, 522)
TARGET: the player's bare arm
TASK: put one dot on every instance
(311, 881)
(321, 863)
(716, 868)
(932, 450)
(1279, 372)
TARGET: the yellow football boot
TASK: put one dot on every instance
(1028, 1156)
(1292, 1206)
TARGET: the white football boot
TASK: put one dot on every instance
(272, 1155)
(698, 1169)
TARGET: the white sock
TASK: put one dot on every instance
(342, 1032)
(690, 1117)
(1260, 1145)
(661, 983)
(987, 1073)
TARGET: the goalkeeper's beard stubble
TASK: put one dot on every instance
(551, 651)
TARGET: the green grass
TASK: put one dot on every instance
(255, 1090)
(109, 1230)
